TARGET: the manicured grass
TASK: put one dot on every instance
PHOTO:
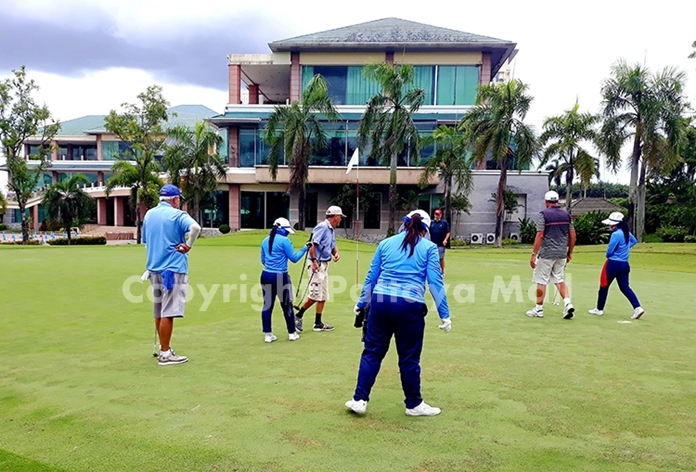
(80, 391)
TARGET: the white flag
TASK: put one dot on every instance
(353, 161)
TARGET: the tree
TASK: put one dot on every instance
(20, 118)
(556, 171)
(693, 53)
(496, 126)
(647, 108)
(449, 162)
(296, 132)
(140, 125)
(387, 125)
(3, 206)
(68, 204)
(193, 162)
(562, 138)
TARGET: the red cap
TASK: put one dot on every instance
(438, 212)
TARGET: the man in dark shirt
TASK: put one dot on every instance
(440, 235)
(553, 249)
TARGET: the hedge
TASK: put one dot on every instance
(81, 241)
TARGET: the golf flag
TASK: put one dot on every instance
(353, 161)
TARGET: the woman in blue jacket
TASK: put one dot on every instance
(276, 249)
(616, 266)
(395, 289)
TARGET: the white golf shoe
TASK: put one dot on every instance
(293, 337)
(269, 337)
(637, 313)
(595, 311)
(357, 406)
(423, 410)
(568, 311)
(534, 313)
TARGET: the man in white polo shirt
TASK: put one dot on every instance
(322, 251)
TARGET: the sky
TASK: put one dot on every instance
(90, 56)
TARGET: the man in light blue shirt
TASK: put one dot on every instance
(164, 235)
(322, 252)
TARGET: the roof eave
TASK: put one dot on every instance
(388, 46)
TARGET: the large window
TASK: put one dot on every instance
(113, 150)
(457, 85)
(260, 209)
(347, 85)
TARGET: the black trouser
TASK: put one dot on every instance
(277, 285)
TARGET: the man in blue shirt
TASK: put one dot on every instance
(440, 235)
(323, 251)
(164, 234)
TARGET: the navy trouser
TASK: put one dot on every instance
(618, 270)
(277, 285)
(405, 320)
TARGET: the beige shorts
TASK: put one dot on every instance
(169, 303)
(319, 285)
(549, 270)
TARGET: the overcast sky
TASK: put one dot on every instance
(88, 57)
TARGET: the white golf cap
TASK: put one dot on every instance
(425, 218)
(614, 219)
(551, 196)
(334, 210)
(285, 224)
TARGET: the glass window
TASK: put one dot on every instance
(247, 147)
(457, 85)
(277, 206)
(373, 213)
(336, 79)
(359, 90)
(62, 153)
(311, 208)
(113, 150)
(425, 79)
(252, 210)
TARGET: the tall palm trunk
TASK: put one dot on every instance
(633, 182)
(301, 203)
(25, 221)
(500, 203)
(569, 188)
(640, 204)
(448, 199)
(392, 195)
(138, 225)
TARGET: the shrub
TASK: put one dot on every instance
(690, 238)
(527, 231)
(590, 229)
(224, 228)
(32, 242)
(83, 241)
(457, 242)
(3, 227)
(510, 242)
(672, 234)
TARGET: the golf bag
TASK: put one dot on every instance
(361, 321)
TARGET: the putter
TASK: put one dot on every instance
(555, 299)
(304, 266)
(155, 349)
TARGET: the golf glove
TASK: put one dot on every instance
(309, 244)
(446, 325)
(359, 316)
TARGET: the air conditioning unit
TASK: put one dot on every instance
(476, 238)
(490, 238)
(515, 237)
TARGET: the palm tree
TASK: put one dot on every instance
(495, 126)
(562, 137)
(68, 204)
(296, 132)
(3, 206)
(555, 170)
(387, 124)
(647, 108)
(144, 185)
(193, 162)
(449, 162)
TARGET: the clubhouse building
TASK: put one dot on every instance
(449, 66)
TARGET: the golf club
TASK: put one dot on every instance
(304, 265)
(555, 299)
(155, 349)
(299, 304)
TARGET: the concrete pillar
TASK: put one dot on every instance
(54, 176)
(389, 57)
(100, 154)
(101, 211)
(253, 94)
(100, 177)
(295, 77)
(118, 211)
(235, 77)
(54, 150)
(485, 78)
(233, 143)
(234, 208)
(35, 223)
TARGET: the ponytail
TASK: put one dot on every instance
(623, 226)
(270, 240)
(413, 227)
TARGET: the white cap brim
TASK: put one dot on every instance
(289, 229)
(610, 222)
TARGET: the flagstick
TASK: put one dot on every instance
(357, 224)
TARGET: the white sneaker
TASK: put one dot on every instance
(171, 358)
(358, 406)
(637, 313)
(293, 336)
(568, 311)
(269, 338)
(423, 410)
(534, 313)
(595, 311)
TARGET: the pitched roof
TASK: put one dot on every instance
(586, 205)
(392, 33)
(77, 126)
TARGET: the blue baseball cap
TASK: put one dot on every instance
(170, 190)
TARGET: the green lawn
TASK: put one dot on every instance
(80, 391)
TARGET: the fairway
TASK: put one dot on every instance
(80, 390)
